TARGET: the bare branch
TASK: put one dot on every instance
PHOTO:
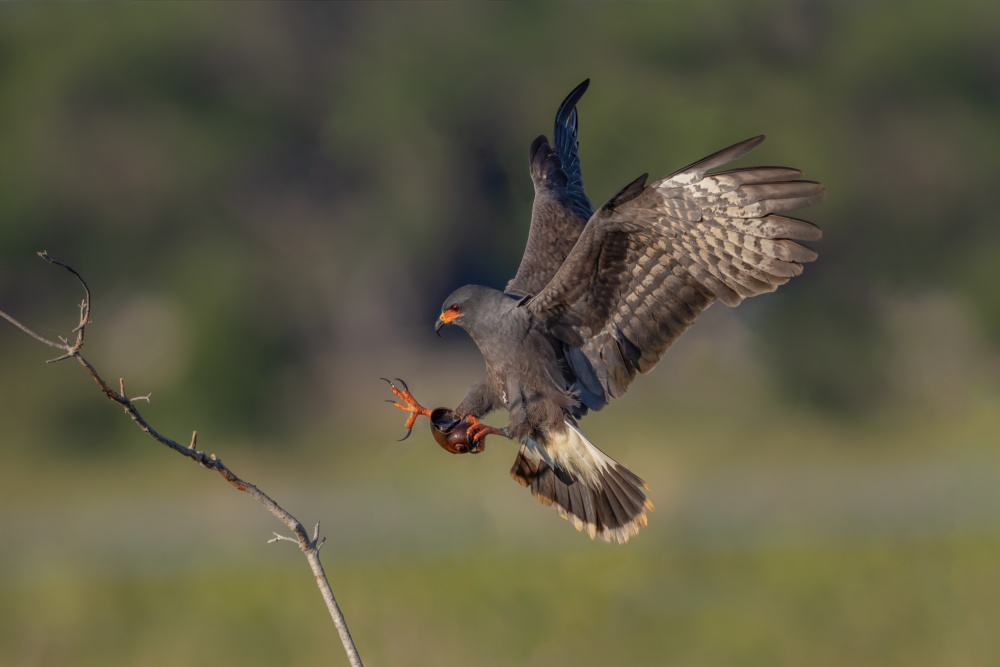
(309, 546)
(41, 339)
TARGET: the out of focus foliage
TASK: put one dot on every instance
(270, 200)
(278, 182)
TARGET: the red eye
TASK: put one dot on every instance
(455, 307)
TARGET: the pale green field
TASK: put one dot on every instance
(865, 544)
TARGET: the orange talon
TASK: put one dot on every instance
(409, 404)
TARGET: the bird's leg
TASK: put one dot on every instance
(478, 430)
(409, 404)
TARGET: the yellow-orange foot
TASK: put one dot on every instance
(409, 404)
(478, 430)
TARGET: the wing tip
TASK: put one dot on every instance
(569, 104)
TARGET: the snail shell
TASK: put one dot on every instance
(452, 433)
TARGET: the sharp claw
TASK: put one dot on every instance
(405, 401)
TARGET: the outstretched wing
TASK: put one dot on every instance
(652, 258)
(561, 208)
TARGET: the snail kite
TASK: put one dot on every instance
(599, 296)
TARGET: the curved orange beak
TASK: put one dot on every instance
(447, 317)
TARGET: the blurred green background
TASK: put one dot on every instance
(270, 202)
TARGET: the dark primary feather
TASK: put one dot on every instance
(564, 137)
(653, 257)
(561, 209)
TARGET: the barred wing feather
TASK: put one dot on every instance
(654, 257)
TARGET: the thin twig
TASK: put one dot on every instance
(309, 546)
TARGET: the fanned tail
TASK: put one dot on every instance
(594, 492)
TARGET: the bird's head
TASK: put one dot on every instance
(469, 307)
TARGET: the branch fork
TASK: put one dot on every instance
(309, 546)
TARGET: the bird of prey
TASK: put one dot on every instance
(598, 297)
